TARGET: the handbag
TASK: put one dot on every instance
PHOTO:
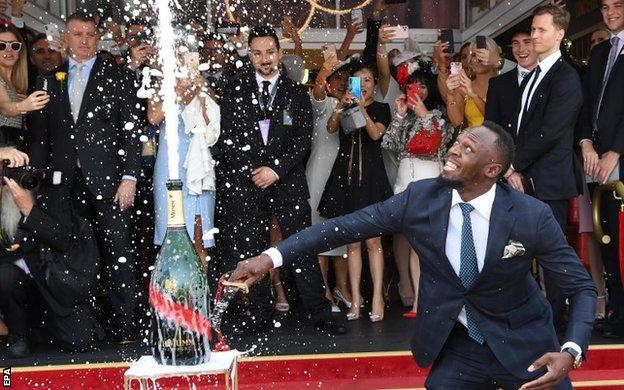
(424, 142)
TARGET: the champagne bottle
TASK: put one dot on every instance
(180, 329)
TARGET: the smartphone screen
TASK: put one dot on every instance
(356, 15)
(481, 44)
(446, 35)
(355, 87)
(401, 32)
(456, 68)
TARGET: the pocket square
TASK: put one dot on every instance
(513, 249)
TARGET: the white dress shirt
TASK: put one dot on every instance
(272, 81)
(545, 66)
(480, 220)
(521, 71)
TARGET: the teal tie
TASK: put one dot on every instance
(469, 269)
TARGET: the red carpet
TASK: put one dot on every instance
(604, 369)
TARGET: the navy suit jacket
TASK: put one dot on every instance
(512, 313)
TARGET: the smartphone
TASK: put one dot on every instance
(456, 68)
(357, 16)
(446, 35)
(52, 31)
(42, 83)
(481, 43)
(329, 51)
(412, 91)
(400, 32)
(355, 87)
(228, 28)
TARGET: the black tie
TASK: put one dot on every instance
(528, 98)
(265, 97)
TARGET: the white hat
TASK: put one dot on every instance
(410, 50)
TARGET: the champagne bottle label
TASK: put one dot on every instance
(175, 208)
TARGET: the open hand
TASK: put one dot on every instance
(515, 180)
(22, 197)
(558, 364)
(606, 165)
(125, 194)
(590, 158)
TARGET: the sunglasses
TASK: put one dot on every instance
(15, 46)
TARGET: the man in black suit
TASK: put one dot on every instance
(503, 94)
(482, 321)
(545, 165)
(601, 132)
(87, 134)
(266, 124)
(48, 267)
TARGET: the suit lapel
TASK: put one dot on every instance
(501, 223)
(543, 86)
(91, 88)
(278, 107)
(439, 209)
(63, 92)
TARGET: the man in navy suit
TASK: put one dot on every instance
(482, 321)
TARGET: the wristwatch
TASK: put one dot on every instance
(578, 357)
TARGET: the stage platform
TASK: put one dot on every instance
(291, 356)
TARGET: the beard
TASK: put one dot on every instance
(270, 72)
(452, 183)
(10, 215)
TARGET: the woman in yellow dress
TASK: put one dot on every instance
(465, 104)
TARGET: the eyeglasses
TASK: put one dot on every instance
(15, 46)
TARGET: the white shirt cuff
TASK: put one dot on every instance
(275, 256)
(17, 22)
(585, 139)
(128, 177)
(573, 345)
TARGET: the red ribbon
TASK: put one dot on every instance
(179, 314)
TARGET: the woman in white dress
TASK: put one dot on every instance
(418, 134)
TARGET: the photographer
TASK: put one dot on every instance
(48, 264)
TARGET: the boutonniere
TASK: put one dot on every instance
(513, 249)
(61, 77)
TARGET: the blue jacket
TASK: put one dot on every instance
(512, 313)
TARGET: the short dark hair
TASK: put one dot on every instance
(138, 22)
(261, 32)
(82, 16)
(561, 17)
(520, 32)
(504, 144)
(36, 39)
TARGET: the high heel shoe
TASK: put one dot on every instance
(378, 317)
(355, 313)
(341, 298)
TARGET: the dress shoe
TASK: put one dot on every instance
(331, 325)
(17, 346)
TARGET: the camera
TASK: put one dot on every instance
(26, 177)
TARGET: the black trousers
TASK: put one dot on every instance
(555, 297)
(244, 232)
(464, 364)
(24, 308)
(609, 210)
(112, 230)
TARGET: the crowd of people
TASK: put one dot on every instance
(262, 156)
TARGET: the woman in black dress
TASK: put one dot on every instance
(358, 179)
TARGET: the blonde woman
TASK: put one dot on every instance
(465, 103)
(13, 86)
